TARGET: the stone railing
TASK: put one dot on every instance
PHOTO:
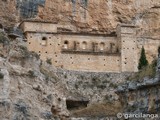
(89, 51)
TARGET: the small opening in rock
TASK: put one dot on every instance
(75, 105)
(59, 99)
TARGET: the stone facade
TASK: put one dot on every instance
(82, 51)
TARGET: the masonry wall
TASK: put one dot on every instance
(39, 27)
(88, 52)
(92, 53)
(128, 49)
(91, 63)
(102, 56)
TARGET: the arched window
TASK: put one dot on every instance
(66, 43)
(84, 45)
(44, 41)
(102, 46)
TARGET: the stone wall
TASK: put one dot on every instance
(93, 53)
(71, 50)
(128, 48)
(39, 27)
(82, 59)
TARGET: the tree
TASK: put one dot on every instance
(142, 61)
(159, 51)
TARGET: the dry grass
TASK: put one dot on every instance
(148, 71)
(99, 110)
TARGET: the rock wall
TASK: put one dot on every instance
(87, 15)
(8, 13)
(97, 87)
(28, 8)
(141, 96)
(26, 90)
(103, 16)
(31, 89)
(34, 90)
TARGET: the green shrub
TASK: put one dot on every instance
(101, 86)
(31, 73)
(65, 76)
(24, 51)
(142, 61)
(159, 50)
(1, 76)
(2, 38)
(49, 61)
(113, 85)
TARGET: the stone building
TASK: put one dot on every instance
(83, 51)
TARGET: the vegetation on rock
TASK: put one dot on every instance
(2, 38)
(143, 60)
(1, 76)
(147, 71)
(49, 61)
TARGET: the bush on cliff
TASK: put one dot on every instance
(4, 39)
(142, 61)
(147, 71)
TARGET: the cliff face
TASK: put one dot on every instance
(27, 90)
(103, 15)
(141, 96)
(31, 89)
(8, 13)
(87, 15)
(93, 15)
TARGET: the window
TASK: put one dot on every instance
(44, 41)
(66, 43)
(102, 46)
(44, 38)
(84, 45)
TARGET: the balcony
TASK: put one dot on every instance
(89, 51)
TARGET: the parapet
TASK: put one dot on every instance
(128, 29)
(38, 26)
(126, 25)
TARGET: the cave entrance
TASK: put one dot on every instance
(76, 104)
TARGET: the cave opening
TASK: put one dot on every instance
(76, 104)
